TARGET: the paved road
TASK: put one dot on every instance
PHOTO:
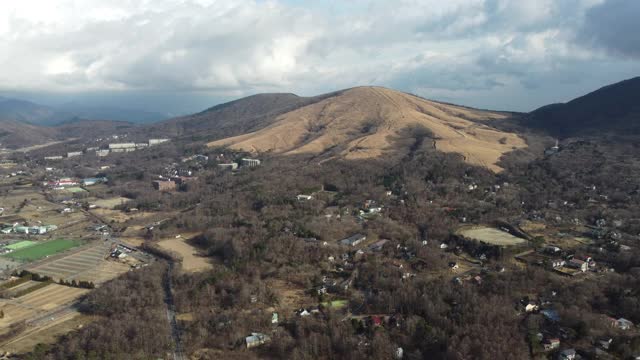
(178, 352)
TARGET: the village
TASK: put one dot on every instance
(63, 235)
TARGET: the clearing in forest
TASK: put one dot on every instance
(191, 260)
(491, 236)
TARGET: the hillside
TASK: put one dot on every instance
(232, 118)
(369, 122)
(32, 113)
(14, 134)
(613, 108)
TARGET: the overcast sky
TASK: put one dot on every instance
(181, 56)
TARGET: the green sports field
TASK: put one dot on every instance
(21, 245)
(35, 252)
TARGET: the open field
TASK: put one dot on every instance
(37, 303)
(110, 203)
(41, 250)
(191, 262)
(88, 264)
(21, 245)
(47, 334)
(491, 236)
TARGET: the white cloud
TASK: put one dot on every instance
(231, 47)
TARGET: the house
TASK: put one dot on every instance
(153, 142)
(568, 354)
(444, 246)
(74, 154)
(551, 343)
(122, 147)
(164, 185)
(93, 181)
(229, 166)
(103, 152)
(378, 245)
(256, 339)
(353, 240)
(623, 324)
(550, 315)
(531, 307)
(250, 162)
(578, 264)
(304, 197)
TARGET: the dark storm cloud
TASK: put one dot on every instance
(614, 26)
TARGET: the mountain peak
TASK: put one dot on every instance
(372, 122)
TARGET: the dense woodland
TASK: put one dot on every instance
(253, 227)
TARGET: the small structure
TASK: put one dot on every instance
(164, 185)
(74, 154)
(551, 343)
(56, 157)
(256, 339)
(103, 152)
(229, 166)
(93, 181)
(122, 147)
(353, 240)
(578, 264)
(153, 142)
(568, 354)
(301, 197)
(453, 265)
(378, 245)
(623, 324)
(250, 162)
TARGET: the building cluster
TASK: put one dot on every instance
(31, 230)
(62, 183)
(245, 162)
(111, 148)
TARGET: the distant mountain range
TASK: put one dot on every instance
(36, 114)
(361, 122)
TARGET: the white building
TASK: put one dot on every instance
(250, 162)
(157, 141)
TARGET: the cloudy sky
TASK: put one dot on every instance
(180, 56)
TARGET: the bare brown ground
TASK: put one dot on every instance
(191, 261)
(371, 121)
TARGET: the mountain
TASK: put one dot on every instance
(358, 123)
(32, 113)
(233, 118)
(15, 134)
(613, 108)
(113, 113)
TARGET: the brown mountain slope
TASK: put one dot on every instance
(369, 122)
(14, 134)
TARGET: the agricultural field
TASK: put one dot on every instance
(41, 250)
(38, 303)
(20, 245)
(87, 264)
(491, 236)
(110, 203)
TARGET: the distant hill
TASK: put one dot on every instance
(613, 108)
(15, 134)
(32, 113)
(233, 118)
(358, 123)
